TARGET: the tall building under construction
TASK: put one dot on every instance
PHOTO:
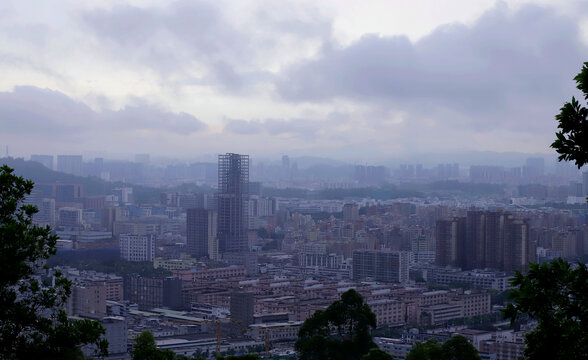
(233, 203)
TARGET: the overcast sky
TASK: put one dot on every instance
(343, 79)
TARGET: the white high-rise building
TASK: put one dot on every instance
(137, 247)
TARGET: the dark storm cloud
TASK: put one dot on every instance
(509, 67)
(28, 109)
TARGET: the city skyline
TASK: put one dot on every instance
(331, 79)
(197, 179)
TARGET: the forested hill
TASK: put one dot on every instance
(40, 174)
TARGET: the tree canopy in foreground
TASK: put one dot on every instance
(572, 139)
(556, 295)
(33, 322)
(456, 348)
(342, 331)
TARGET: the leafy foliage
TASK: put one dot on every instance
(33, 322)
(456, 348)
(459, 348)
(145, 348)
(556, 295)
(342, 331)
(428, 350)
(377, 354)
(572, 139)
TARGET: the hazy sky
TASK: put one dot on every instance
(345, 79)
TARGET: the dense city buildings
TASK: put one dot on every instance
(233, 203)
(426, 261)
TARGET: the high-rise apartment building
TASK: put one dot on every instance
(152, 292)
(475, 243)
(350, 212)
(381, 265)
(518, 250)
(137, 247)
(201, 231)
(241, 307)
(89, 299)
(484, 239)
(494, 235)
(233, 202)
(110, 215)
(450, 238)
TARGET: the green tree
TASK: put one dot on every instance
(342, 331)
(33, 322)
(456, 348)
(145, 348)
(556, 295)
(572, 139)
(459, 348)
(377, 354)
(428, 350)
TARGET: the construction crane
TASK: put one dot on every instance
(219, 335)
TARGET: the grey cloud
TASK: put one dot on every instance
(226, 76)
(184, 34)
(28, 109)
(243, 127)
(32, 110)
(307, 129)
(297, 127)
(509, 67)
(167, 39)
(126, 24)
(303, 22)
(150, 118)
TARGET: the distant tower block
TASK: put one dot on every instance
(201, 230)
(233, 203)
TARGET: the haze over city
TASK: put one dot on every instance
(313, 180)
(361, 82)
